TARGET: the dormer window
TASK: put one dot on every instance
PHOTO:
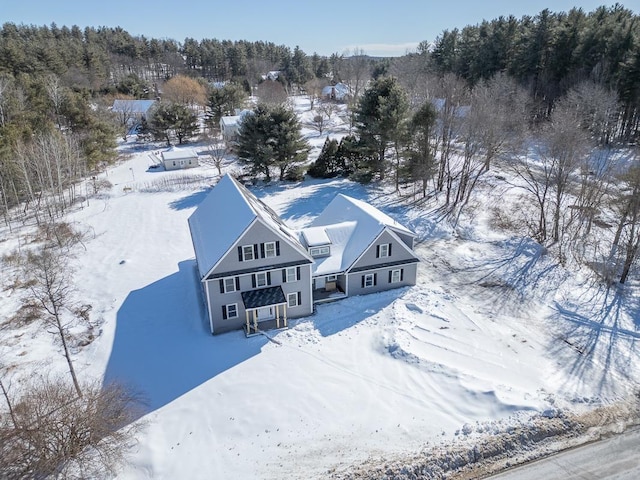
(319, 251)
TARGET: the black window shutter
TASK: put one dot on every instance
(298, 273)
(224, 312)
(221, 285)
(362, 281)
(390, 272)
(277, 248)
(375, 278)
(268, 278)
(299, 298)
(284, 275)
(255, 250)
(401, 274)
(239, 254)
(253, 280)
(377, 251)
(262, 250)
(238, 283)
(389, 249)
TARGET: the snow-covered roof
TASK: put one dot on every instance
(231, 120)
(177, 153)
(340, 90)
(132, 106)
(315, 236)
(351, 225)
(222, 217)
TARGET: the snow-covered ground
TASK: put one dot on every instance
(494, 333)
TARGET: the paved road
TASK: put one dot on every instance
(616, 458)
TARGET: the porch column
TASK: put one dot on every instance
(277, 316)
(284, 307)
(248, 325)
(255, 320)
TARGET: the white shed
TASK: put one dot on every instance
(175, 158)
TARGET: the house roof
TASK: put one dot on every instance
(223, 216)
(231, 120)
(351, 226)
(340, 90)
(132, 106)
(177, 153)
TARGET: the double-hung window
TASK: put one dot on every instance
(368, 280)
(384, 250)
(247, 253)
(261, 279)
(229, 284)
(291, 275)
(395, 276)
(230, 311)
(270, 249)
(294, 299)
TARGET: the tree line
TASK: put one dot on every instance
(550, 53)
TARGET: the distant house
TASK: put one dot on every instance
(256, 272)
(175, 158)
(338, 92)
(230, 125)
(135, 110)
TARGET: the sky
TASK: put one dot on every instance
(380, 28)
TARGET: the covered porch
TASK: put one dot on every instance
(265, 309)
(327, 288)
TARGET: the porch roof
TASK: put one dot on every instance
(263, 297)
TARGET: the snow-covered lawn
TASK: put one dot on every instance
(494, 332)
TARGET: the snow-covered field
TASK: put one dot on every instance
(494, 334)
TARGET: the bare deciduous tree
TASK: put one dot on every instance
(313, 89)
(51, 433)
(272, 93)
(217, 150)
(46, 274)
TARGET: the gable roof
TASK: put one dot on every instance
(177, 153)
(132, 106)
(223, 216)
(233, 120)
(351, 226)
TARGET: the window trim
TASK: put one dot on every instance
(331, 278)
(369, 280)
(295, 296)
(322, 251)
(384, 250)
(395, 272)
(261, 275)
(244, 253)
(233, 281)
(234, 308)
(266, 249)
(291, 275)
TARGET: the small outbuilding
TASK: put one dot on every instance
(176, 158)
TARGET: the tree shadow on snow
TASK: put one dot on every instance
(313, 198)
(163, 346)
(190, 201)
(519, 271)
(597, 335)
(332, 318)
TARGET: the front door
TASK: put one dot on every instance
(266, 313)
